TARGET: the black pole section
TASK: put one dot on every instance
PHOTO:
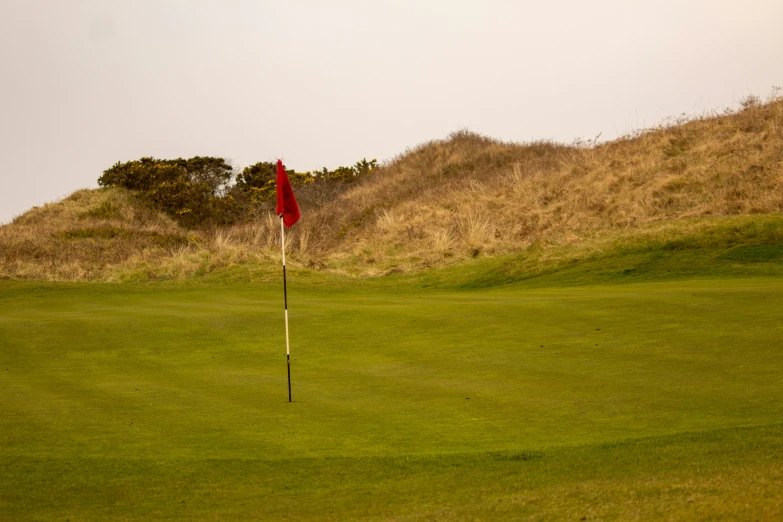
(288, 358)
(287, 353)
(285, 291)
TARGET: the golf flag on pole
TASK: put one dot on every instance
(288, 211)
(286, 202)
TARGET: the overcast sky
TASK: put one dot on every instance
(87, 83)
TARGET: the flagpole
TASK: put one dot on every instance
(285, 300)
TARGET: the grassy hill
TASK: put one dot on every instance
(469, 195)
(495, 371)
(446, 201)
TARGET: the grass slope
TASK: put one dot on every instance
(732, 247)
(169, 401)
(732, 474)
(471, 195)
(439, 204)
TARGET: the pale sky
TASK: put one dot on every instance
(87, 83)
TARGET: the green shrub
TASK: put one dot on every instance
(194, 191)
(256, 183)
(199, 191)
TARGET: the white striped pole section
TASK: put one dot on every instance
(285, 299)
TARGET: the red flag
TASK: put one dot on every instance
(286, 202)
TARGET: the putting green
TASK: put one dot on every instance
(124, 401)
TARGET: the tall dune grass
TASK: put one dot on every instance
(443, 201)
(471, 195)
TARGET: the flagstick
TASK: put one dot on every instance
(285, 298)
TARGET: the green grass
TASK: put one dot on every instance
(704, 248)
(651, 400)
(732, 474)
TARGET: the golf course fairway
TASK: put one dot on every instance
(660, 400)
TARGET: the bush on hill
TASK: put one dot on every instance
(194, 191)
(255, 185)
(203, 191)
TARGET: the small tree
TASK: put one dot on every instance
(193, 191)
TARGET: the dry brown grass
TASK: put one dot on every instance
(469, 195)
(79, 237)
(445, 200)
(110, 235)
